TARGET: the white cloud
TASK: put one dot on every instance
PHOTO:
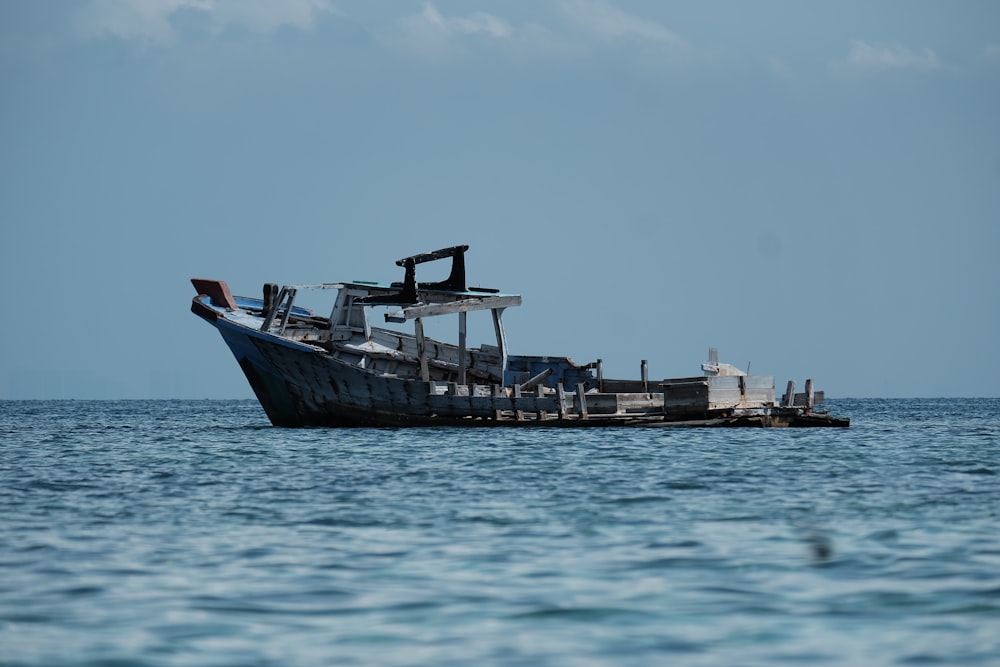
(479, 23)
(150, 21)
(432, 35)
(585, 23)
(268, 15)
(871, 58)
(644, 45)
(140, 20)
(609, 24)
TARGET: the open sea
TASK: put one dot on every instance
(168, 533)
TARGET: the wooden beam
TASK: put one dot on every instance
(542, 414)
(537, 380)
(288, 310)
(790, 394)
(463, 305)
(501, 339)
(561, 394)
(461, 347)
(581, 396)
(425, 374)
(217, 291)
(497, 393)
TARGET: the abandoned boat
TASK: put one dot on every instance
(342, 370)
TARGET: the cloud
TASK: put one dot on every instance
(141, 20)
(152, 21)
(479, 23)
(600, 29)
(610, 24)
(580, 25)
(432, 35)
(864, 57)
(268, 15)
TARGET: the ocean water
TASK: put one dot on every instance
(193, 533)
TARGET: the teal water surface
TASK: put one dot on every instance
(193, 533)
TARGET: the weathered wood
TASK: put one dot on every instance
(624, 403)
(461, 346)
(802, 399)
(217, 292)
(581, 397)
(497, 314)
(290, 296)
(339, 371)
(497, 392)
(622, 386)
(463, 305)
(685, 394)
(422, 350)
(644, 403)
(537, 380)
(271, 314)
(788, 400)
(758, 390)
(270, 294)
(718, 392)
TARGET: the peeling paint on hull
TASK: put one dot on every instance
(302, 387)
(342, 370)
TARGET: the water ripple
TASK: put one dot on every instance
(190, 533)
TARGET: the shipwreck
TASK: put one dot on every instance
(343, 370)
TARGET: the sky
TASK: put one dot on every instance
(813, 188)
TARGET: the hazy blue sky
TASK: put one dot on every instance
(814, 188)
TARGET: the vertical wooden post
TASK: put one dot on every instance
(501, 339)
(269, 318)
(581, 396)
(270, 294)
(497, 392)
(418, 325)
(461, 347)
(518, 413)
(790, 394)
(644, 373)
(600, 375)
(542, 415)
(561, 395)
(290, 295)
(810, 396)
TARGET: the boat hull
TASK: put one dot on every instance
(301, 385)
(298, 385)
